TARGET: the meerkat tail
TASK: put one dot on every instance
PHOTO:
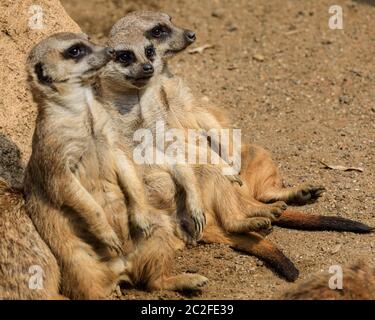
(257, 246)
(294, 219)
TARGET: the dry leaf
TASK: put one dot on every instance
(201, 49)
(341, 168)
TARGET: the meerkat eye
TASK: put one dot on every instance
(150, 52)
(156, 32)
(160, 31)
(76, 51)
(125, 57)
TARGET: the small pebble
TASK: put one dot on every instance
(258, 57)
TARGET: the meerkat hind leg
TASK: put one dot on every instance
(299, 195)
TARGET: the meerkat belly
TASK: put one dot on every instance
(95, 172)
(114, 201)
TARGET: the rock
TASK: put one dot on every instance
(217, 14)
(326, 42)
(344, 99)
(258, 57)
(19, 33)
(192, 270)
(260, 263)
(232, 28)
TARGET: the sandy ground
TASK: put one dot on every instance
(294, 86)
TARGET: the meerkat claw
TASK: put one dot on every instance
(199, 222)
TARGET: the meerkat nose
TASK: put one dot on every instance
(110, 51)
(148, 68)
(190, 35)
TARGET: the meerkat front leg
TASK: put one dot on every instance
(185, 177)
(135, 190)
(74, 195)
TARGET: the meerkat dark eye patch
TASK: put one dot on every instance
(76, 51)
(125, 57)
(150, 52)
(158, 32)
(40, 73)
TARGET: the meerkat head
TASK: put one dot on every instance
(159, 29)
(65, 59)
(136, 61)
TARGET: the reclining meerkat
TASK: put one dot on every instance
(245, 216)
(137, 70)
(260, 175)
(169, 40)
(79, 180)
(28, 269)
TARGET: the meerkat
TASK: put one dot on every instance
(245, 215)
(259, 174)
(358, 283)
(79, 181)
(28, 269)
(159, 101)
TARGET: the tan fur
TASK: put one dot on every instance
(79, 179)
(358, 284)
(21, 250)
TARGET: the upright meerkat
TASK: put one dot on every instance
(79, 180)
(28, 269)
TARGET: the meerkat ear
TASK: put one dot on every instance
(42, 76)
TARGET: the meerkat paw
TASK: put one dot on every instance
(259, 224)
(111, 240)
(199, 220)
(306, 194)
(143, 223)
(270, 211)
(265, 232)
(235, 179)
(278, 207)
(195, 282)
(186, 237)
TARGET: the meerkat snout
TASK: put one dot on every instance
(190, 36)
(148, 69)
